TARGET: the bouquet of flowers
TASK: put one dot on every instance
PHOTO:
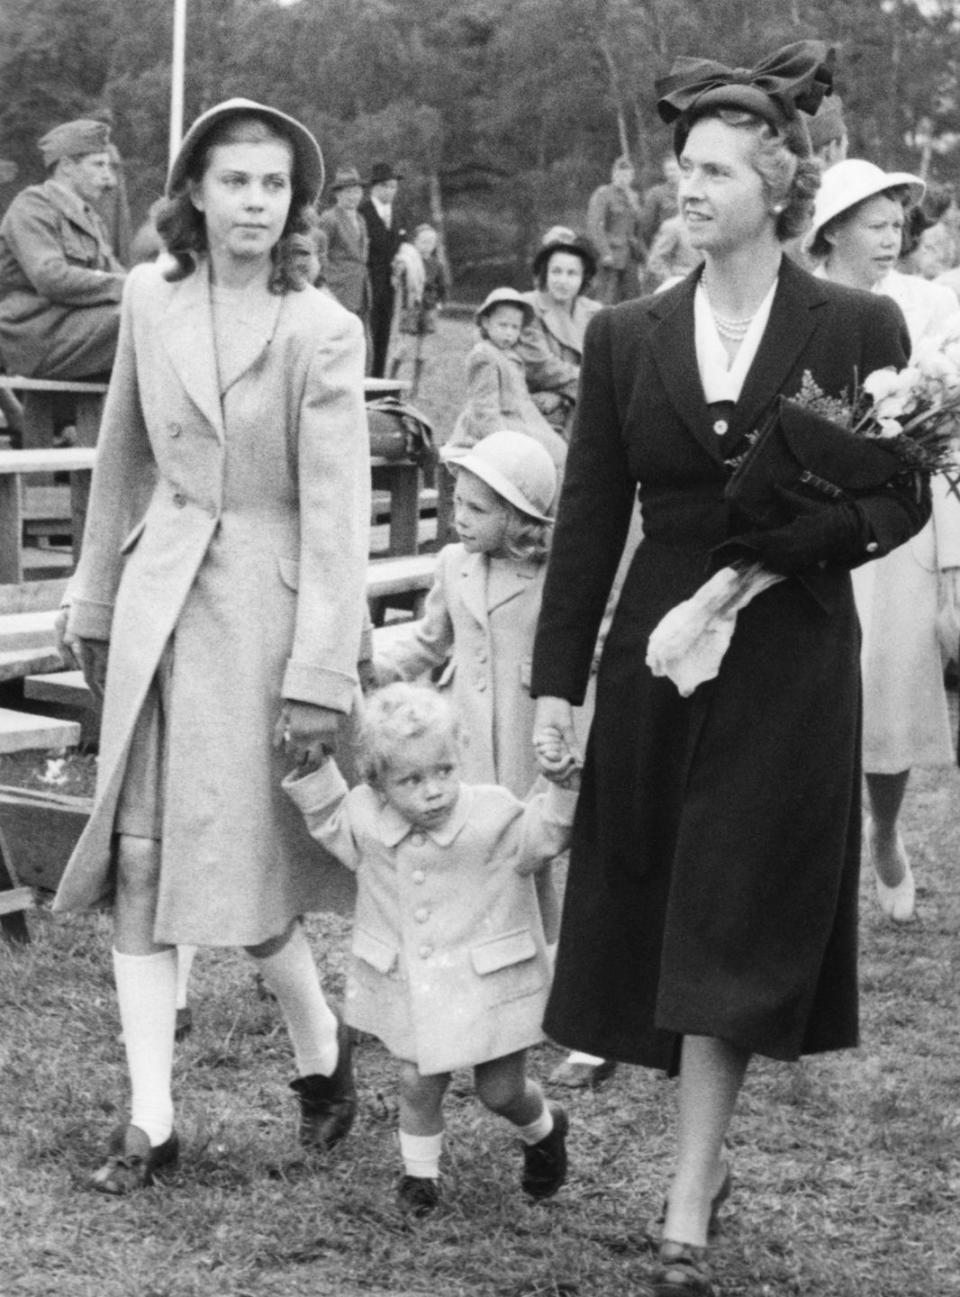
(824, 450)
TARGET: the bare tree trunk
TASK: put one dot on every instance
(612, 73)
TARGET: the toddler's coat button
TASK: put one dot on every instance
(174, 429)
(422, 914)
(179, 499)
(418, 839)
(418, 876)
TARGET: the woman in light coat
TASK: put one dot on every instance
(857, 239)
(218, 605)
(551, 345)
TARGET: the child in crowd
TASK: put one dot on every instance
(420, 281)
(481, 613)
(449, 962)
(497, 395)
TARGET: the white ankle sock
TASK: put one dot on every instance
(147, 996)
(292, 976)
(538, 1129)
(421, 1155)
(185, 957)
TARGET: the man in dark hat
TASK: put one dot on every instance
(347, 244)
(60, 284)
(383, 226)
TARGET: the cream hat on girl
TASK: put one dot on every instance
(854, 181)
(516, 467)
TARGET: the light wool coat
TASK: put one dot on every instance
(237, 525)
(449, 965)
(480, 634)
(497, 399)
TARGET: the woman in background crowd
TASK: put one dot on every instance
(857, 239)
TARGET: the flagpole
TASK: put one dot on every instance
(177, 75)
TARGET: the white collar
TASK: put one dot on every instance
(722, 379)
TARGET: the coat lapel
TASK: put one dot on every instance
(675, 357)
(188, 339)
(793, 318)
(511, 582)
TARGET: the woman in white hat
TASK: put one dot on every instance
(217, 608)
(856, 238)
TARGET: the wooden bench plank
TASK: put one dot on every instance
(31, 596)
(65, 687)
(28, 630)
(17, 383)
(20, 731)
(17, 663)
(15, 899)
(47, 459)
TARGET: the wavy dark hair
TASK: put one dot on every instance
(783, 161)
(183, 229)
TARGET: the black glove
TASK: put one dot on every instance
(820, 532)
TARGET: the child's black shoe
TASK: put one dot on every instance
(417, 1195)
(545, 1164)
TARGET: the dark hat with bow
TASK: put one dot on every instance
(780, 87)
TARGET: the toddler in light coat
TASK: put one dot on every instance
(449, 962)
(497, 393)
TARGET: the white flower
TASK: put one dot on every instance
(890, 428)
(881, 383)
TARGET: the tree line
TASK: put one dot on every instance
(502, 114)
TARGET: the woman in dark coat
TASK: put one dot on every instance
(711, 907)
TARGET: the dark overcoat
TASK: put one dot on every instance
(714, 872)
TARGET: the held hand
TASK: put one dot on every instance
(68, 645)
(92, 656)
(554, 739)
(308, 732)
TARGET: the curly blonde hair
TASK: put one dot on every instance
(394, 715)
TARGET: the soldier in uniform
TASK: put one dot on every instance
(60, 283)
(613, 215)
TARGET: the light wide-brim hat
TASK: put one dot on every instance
(346, 178)
(849, 183)
(308, 160)
(515, 466)
(504, 297)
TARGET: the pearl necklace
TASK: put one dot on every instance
(732, 330)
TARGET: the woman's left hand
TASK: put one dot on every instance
(308, 732)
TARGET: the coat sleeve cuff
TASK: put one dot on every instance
(306, 683)
(89, 619)
(317, 789)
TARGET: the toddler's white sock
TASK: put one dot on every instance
(421, 1155)
(538, 1129)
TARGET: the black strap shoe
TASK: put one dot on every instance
(133, 1162)
(545, 1163)
(417, 1196)
(328, 1104)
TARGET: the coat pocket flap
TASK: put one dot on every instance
(289, 569)
(512, 948)
(373, 951)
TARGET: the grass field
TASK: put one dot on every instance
(846, 1167)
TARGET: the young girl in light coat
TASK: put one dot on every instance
(450, 966)
(481, 615)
